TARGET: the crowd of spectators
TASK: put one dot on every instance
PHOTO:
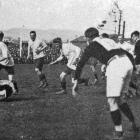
(14, 49)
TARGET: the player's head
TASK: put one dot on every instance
(1, 35)
(57, 42)
(91, 33)
(135, 36)
(104, 35)
(6, 90)
(33, 35)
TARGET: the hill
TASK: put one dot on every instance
(44, 34)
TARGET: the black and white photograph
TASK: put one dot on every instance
(69, 69)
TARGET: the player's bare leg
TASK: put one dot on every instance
(116, 118)
(74, 87)
(42, 78)
(63, 83)
(10, 77)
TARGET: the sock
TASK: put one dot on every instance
(63, 85)
(42, 77)
(117, 120)
(127, 111)
(96, 77)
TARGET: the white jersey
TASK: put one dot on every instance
(5, 56)
(71, 52)
(69, 49)
(108, 44)
(128, 47)
(36, 45)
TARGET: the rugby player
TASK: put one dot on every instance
(72, 53)
(120, 65)
(38, 46)
(6, 60)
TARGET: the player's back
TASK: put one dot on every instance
(6, 58)
(108, 44)
(69, 48)
(128, 47)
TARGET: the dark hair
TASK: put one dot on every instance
(33, 32)
(57, 40)
(136, 33)
(91, 32)
(105, 35)
(1, 34)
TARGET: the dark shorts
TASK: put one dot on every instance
(39, 63)
(9, 69)
(69, 71)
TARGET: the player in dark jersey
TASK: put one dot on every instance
(119, 70)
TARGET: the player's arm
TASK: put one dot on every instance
(42, 47)
(29, 48)
(89, 51)
(58, 59)
(77, 54)
(78, 51)
(4, 53)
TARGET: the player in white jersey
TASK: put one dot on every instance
(72, 53)
(38, 46)
(6, 60)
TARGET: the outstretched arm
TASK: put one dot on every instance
(84, 58)
(58, 59)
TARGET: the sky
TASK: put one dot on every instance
(65, 14)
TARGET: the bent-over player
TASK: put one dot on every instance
(119, 70)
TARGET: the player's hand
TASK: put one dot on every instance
(38, 51)
(103, 68)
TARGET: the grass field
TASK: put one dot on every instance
(36, 114)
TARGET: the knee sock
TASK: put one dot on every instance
(127, 111)
(63, 85)
(117, 120)
(42, 77)
(96, 77)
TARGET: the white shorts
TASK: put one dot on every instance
(118, 72)
(71, 61)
